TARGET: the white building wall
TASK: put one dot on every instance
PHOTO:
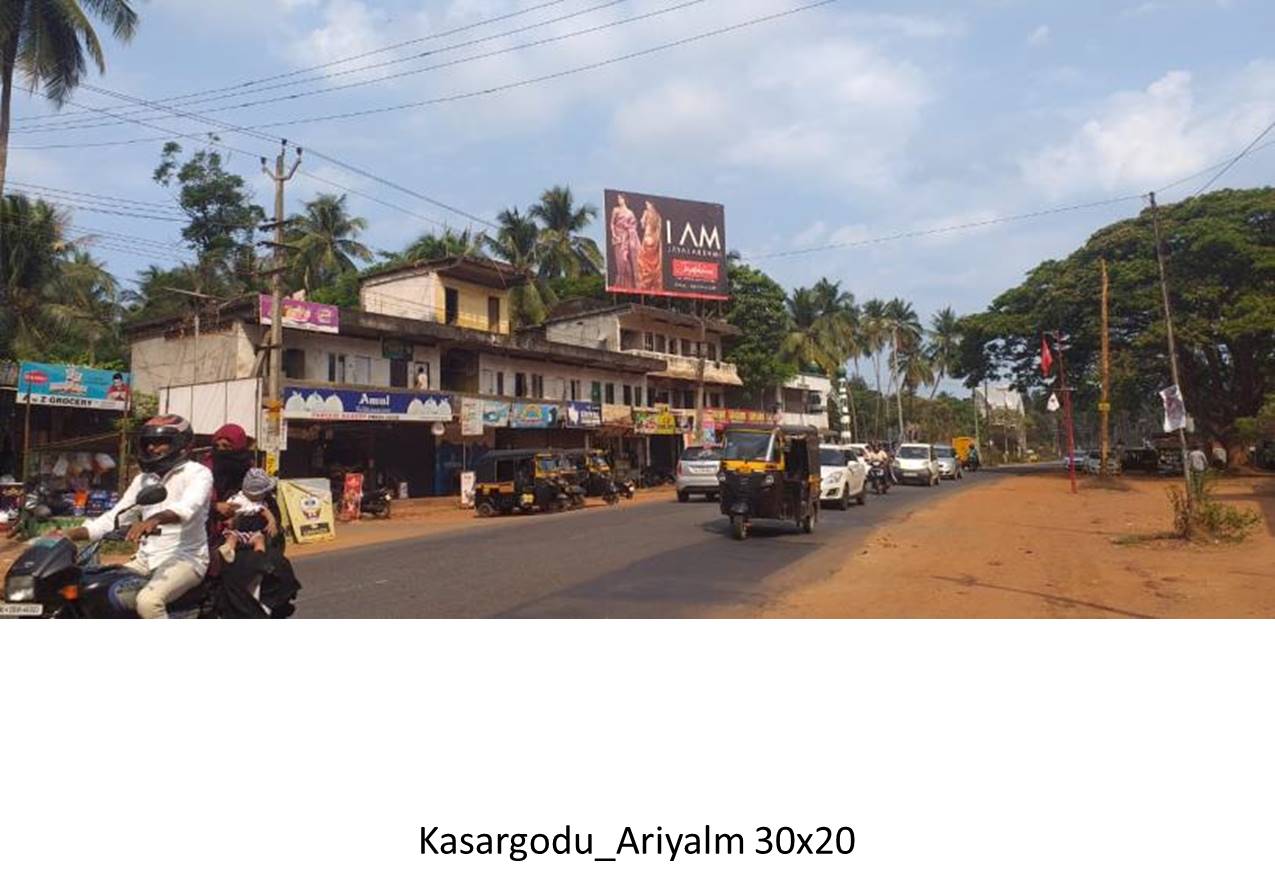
(593, 331)
(157, 361)
(557, 378)
(415, 295)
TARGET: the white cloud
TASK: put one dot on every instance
(1145, 139)
(1038, 37)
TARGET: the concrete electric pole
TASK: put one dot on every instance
(274, 383)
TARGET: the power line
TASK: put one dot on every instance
(78, 125)
(113, 199)
(1235, 160)
(289, 74)
(487, 91)
(88, 207)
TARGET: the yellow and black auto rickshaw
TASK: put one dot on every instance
(769, 472)
(522, 480)
(590, 470)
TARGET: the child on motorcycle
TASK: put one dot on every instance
(253, 522)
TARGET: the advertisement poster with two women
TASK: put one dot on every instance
(665, 247)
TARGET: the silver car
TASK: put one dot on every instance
(697, 472)
(949, 465)
(914, 462)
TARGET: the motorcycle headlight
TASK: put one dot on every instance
(768, 479)
(20, 589)
(721, 476)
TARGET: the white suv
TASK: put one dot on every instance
(916, 462)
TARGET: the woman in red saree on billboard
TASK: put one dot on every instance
(651, 257)
(626, 244)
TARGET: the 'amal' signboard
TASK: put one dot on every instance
(72, 386)
(307, 403)
(665, 247)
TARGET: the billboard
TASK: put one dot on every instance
(308, 403)
(665, 247)
(72, 386)
(301, 315)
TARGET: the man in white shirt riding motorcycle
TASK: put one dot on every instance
(172, 536)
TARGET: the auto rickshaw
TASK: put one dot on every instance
(593, 474)
(522, 480)
(769, 472)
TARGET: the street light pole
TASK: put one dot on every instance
(1173, 352)
(275, 383)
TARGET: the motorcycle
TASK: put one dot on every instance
(377, 502)
(626, 489)
(39, 503)
(878, 478)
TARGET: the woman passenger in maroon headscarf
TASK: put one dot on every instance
(229, 460)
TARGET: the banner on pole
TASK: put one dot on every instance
(1174, 409)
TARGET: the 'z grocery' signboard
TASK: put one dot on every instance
(72, 386)
(665, 247)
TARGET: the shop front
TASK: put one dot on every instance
(665, 431)
(394, 438)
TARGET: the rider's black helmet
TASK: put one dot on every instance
(170, 428)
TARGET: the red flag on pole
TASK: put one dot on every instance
(1046, 357)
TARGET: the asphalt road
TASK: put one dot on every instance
(658, 559)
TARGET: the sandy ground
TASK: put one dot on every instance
(1026, 547)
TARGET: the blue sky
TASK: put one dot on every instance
(843, 123)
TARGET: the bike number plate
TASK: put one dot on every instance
(21, 610)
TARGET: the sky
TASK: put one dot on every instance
(838, 124)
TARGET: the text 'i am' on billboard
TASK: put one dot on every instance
(665, 247)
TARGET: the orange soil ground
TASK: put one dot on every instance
(1026, 547)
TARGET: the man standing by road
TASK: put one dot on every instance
(1198, 463)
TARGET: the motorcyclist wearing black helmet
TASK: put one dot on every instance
(172, 536)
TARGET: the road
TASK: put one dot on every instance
(659, 559)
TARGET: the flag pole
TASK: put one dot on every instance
(1071, 430)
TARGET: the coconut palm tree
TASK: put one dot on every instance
(874, 334)
(449, 243)
(51, 43)
(32, 243)
(805, 343)
(945, 343)
(564, 252)
(84, 300)
(517, 242)
(324, 241)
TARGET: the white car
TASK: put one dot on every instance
(844, 475)
(949, 465)
(697, 472)
(915, 462)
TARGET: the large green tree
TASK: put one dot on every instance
(757, 309)
(50, 43)
(223, 218)
(1221, 271)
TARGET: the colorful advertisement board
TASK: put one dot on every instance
(662, 423)
(310, 403)
(72, 386)
(665, 247)
(584, 415)
(495, 414)
(533, 415)
(307, 508)
(302, 315)
(352, 497)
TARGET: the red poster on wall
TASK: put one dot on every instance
(352, 496)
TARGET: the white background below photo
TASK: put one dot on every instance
(973, 754)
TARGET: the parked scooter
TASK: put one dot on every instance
(377, 502)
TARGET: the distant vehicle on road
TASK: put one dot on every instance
(915, 462)
(949, 463)
(844, 475)
(697, 472)
(1075, 459)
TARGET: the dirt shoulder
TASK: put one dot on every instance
(1025, 547)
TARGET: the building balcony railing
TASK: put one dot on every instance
(685, 367)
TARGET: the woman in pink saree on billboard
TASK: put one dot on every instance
(625, 244)
(650, 263)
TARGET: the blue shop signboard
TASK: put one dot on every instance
(584, 414)
(309, 403)
(72, 386)
(533, 415)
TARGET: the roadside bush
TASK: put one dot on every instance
(1209, 519)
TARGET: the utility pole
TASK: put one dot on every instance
(274, 388)
(1071, 430)
(974, 399)
(701, 348)
(1104, 407)
(898, 381)
(1173, 352)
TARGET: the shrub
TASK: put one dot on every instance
(1208, 519)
